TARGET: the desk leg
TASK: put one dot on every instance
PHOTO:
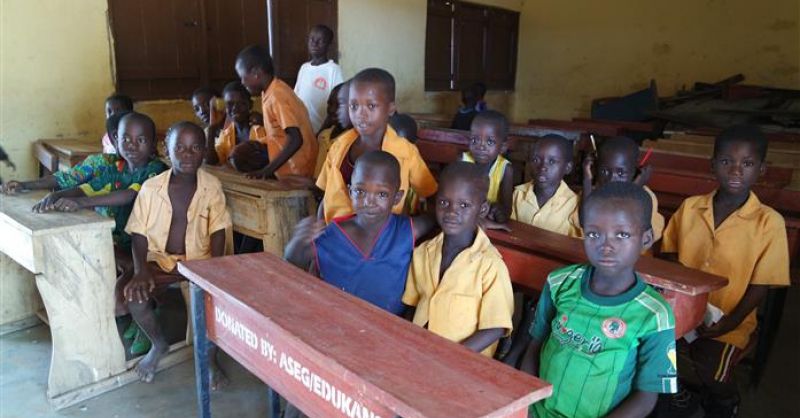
(201, 345)
(19, 300)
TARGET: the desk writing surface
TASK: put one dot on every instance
(287, 187)
(394, 362)
(16, 210)
(74, 146)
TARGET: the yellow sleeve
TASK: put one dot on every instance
(671, 237)
(322, 179)
(137, 222)
(421, 178)
(656, 220)
(218, 216)
(772, 268)
(285, 113)
(411, 294)
(497, 303)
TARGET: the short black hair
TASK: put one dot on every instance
(564, 145)
(404, 125)
(749, 134)
(122, 99)
(256, 56)
(620, 144)
(112, 123)
(380, 159)
(618, 190)
(236, 87)
(377, 76)
(207, 90)
(495, 118)
(479, 88)
(176, 127)
(327, 33)
(468, 172)
(141, 117)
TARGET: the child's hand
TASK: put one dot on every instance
(497, 213)
(721, 327)
(216, 117)
(264, 173)
(12, 187)
(47, 203)
(66, 204)
(256, 119)
(486, 223)
(644, 175)
(140, 287)
(308, 229)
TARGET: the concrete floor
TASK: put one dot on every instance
(24, 361)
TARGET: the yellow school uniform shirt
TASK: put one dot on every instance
(324, 142)
(473, 294)
(553, 216)
(656, 219)
(749, 247)
(283, 109)
(152, 215)
(495, 175)
(413, 172)
(226, 140)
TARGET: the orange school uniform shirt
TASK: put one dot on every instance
(226, 140)
(749, 247)
(282, 109)
(413, 172)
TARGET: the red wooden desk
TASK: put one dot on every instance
(331, 354)
(531, 253)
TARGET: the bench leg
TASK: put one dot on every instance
(201, 345)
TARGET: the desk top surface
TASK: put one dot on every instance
(74, 146)
(405, 367)
(661, 273)
(291, 185)
(16, 211)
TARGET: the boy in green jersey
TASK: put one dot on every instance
(601, 336)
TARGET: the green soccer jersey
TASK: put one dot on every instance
(597, 349)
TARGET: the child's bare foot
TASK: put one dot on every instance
(216, 376)
(146, 368)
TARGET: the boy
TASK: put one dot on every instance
(201, 104)
(179, 215)
(317, 77)
(457, 280)
(463, 118)
(602, 336)
(730, 233)
(240, 130)
(546, 201)
(617, 160)
(487, 143)
(371, 103)
(331, 128)
(116, 103)
(290, 140)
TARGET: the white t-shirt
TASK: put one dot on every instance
(314, 84)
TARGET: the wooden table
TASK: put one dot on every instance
(531, 253)
(62, 153)
(331, 354)
(265, 209)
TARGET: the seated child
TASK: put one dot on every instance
(239, 131)
(617, 160)
(116, 103)
(179, 215)
(480, 92)
(316, 78)
(202, 104)
(291, 143)
(405, 126)
(331, 128)
(730, 233)
(487, 143)
(463, 118)
(371, 104)
(602, 337)
(546, 201)
(473, 301)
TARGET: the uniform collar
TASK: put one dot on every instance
(561, 195)
(163, 183)
(747, 211)
(480, 246)
(392, 143)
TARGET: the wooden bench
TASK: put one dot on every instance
(62, 153)
(531, 253)
(332, 354)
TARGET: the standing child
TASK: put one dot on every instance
(458, 281)
(371, 104)
(602, 336)
(179, 215)
(316, 78)
(291, 143)
(546, 201)
(115, 104)
(730, 233)
(238, 143)
(487, 142)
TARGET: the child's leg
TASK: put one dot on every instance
(124, 266)
(710, 365)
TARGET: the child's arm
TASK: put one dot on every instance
(293, 143)
(142, 283)
(501, 210)
(48, 202)
(215, 125)
(218, 243)
(751, 300)
(637, 404)
(530, 360)
(73, 202)
(44, 183)
(483, 338)
(299, 251)
(539, 331)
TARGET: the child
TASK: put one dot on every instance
(317, 77)
(457, 280)
(239, 131)
(480, 93)
(730, 233)
(487, 143)
(463, 118)
(290, 140)
(405, 126)
(371, 104)
(331, 128)
(602, 336)
(201, 104)
(116, 103)
(179, 215)
(617, 160)
(546, 201)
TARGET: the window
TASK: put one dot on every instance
(466, 43)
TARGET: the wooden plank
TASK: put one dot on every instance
(278, 324)
(46, 156)
(587, 127)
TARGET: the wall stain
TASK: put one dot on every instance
(783, 24)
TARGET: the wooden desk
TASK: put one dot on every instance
(61, 154)
(330, 353)
(531, 253)
(265, 209)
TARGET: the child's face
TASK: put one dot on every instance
(343, 109)
(615, 166)
(186, 150)
(317, 44)
(613, 235)
(373, 192)
(370, 108)
(332, 109)
(458, 206)
(485, 143)
(237, 106)
(548, 164)
(200, 107)
(113, 107)
(737, 167)
(254, 80)
(135, 142)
